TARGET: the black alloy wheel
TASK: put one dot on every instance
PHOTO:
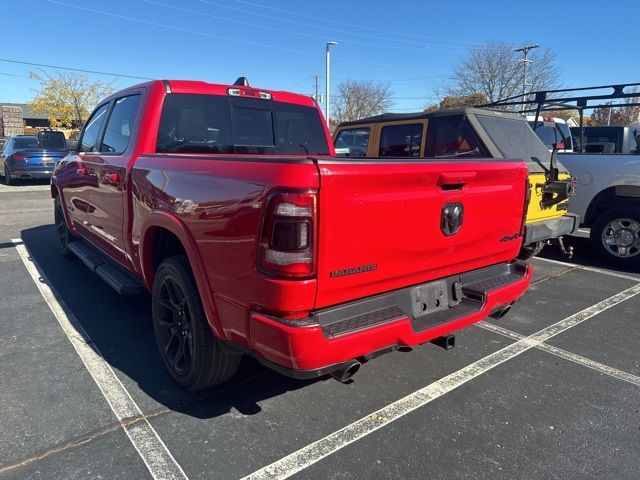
(8, 180)
(62, 230)
(174, 322)
(192, 355)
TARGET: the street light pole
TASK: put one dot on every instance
(526, 62)
(327, 85)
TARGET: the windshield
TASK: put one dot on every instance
(193, 123)
(515, 139)
(25, 142)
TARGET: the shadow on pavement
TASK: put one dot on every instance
(121, 329)
(583, 255)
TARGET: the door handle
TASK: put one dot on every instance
(455, 180)
(82, 171)
(111, 177)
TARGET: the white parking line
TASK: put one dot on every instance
(143, 436)
(312, 453)
(573, 357)
(590, 269)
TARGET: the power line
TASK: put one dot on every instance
(179, 29)
(14, 75)
(70, 68)
(364, 27)
(220, 37)
(330, 29)
(290, 32)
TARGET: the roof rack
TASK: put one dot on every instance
(579, 99)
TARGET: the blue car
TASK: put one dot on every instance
(23, 156)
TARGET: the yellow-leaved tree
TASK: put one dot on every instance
(67, 98)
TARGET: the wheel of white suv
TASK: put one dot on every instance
(194, 358)
(615, 236)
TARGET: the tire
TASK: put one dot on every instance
(531, 250)
(62, 229)
(194, 358)
(8, 180)
(615, 236)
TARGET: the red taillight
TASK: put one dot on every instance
(21, 157)
(288, 238)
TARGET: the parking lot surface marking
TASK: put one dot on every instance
(143, 436)
(590, 269)
(312, 453)
(559, 352)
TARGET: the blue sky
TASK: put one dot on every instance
(280, 44)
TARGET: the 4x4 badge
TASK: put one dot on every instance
(452, 216)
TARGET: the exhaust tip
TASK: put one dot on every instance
(447, 341)
(501, 311)
(347, 371)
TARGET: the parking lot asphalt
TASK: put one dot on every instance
(552, 390)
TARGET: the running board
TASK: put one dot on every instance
(122, 282)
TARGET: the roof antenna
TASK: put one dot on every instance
(241, 82)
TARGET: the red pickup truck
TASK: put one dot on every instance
(227, 203)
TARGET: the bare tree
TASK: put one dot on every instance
(622, 116)
(496, 71)
(358, 99)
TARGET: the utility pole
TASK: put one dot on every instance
(327, 85)
(316, 80)
(609, 119)
(526, 62)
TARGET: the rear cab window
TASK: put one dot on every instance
(24, 142)
(453, 136)
(213, 124)
(515, 139)
(400, 140)
(353, 142)
(552, 132)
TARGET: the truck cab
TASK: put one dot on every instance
(470, 133)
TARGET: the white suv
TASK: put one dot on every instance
(552, 130)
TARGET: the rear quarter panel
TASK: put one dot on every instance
(219, 203)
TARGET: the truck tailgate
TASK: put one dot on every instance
(387, 224)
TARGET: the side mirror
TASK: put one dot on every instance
(52, 140)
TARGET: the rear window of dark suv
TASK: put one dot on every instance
(195, 123)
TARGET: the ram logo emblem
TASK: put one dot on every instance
(452, 216)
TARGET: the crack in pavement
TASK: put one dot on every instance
(81, 440)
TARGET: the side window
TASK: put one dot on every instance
(120, 125)
(353, 142)
(92, 129)
(400, 140)
(453, 136)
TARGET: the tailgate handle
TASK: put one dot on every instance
(455, 180)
